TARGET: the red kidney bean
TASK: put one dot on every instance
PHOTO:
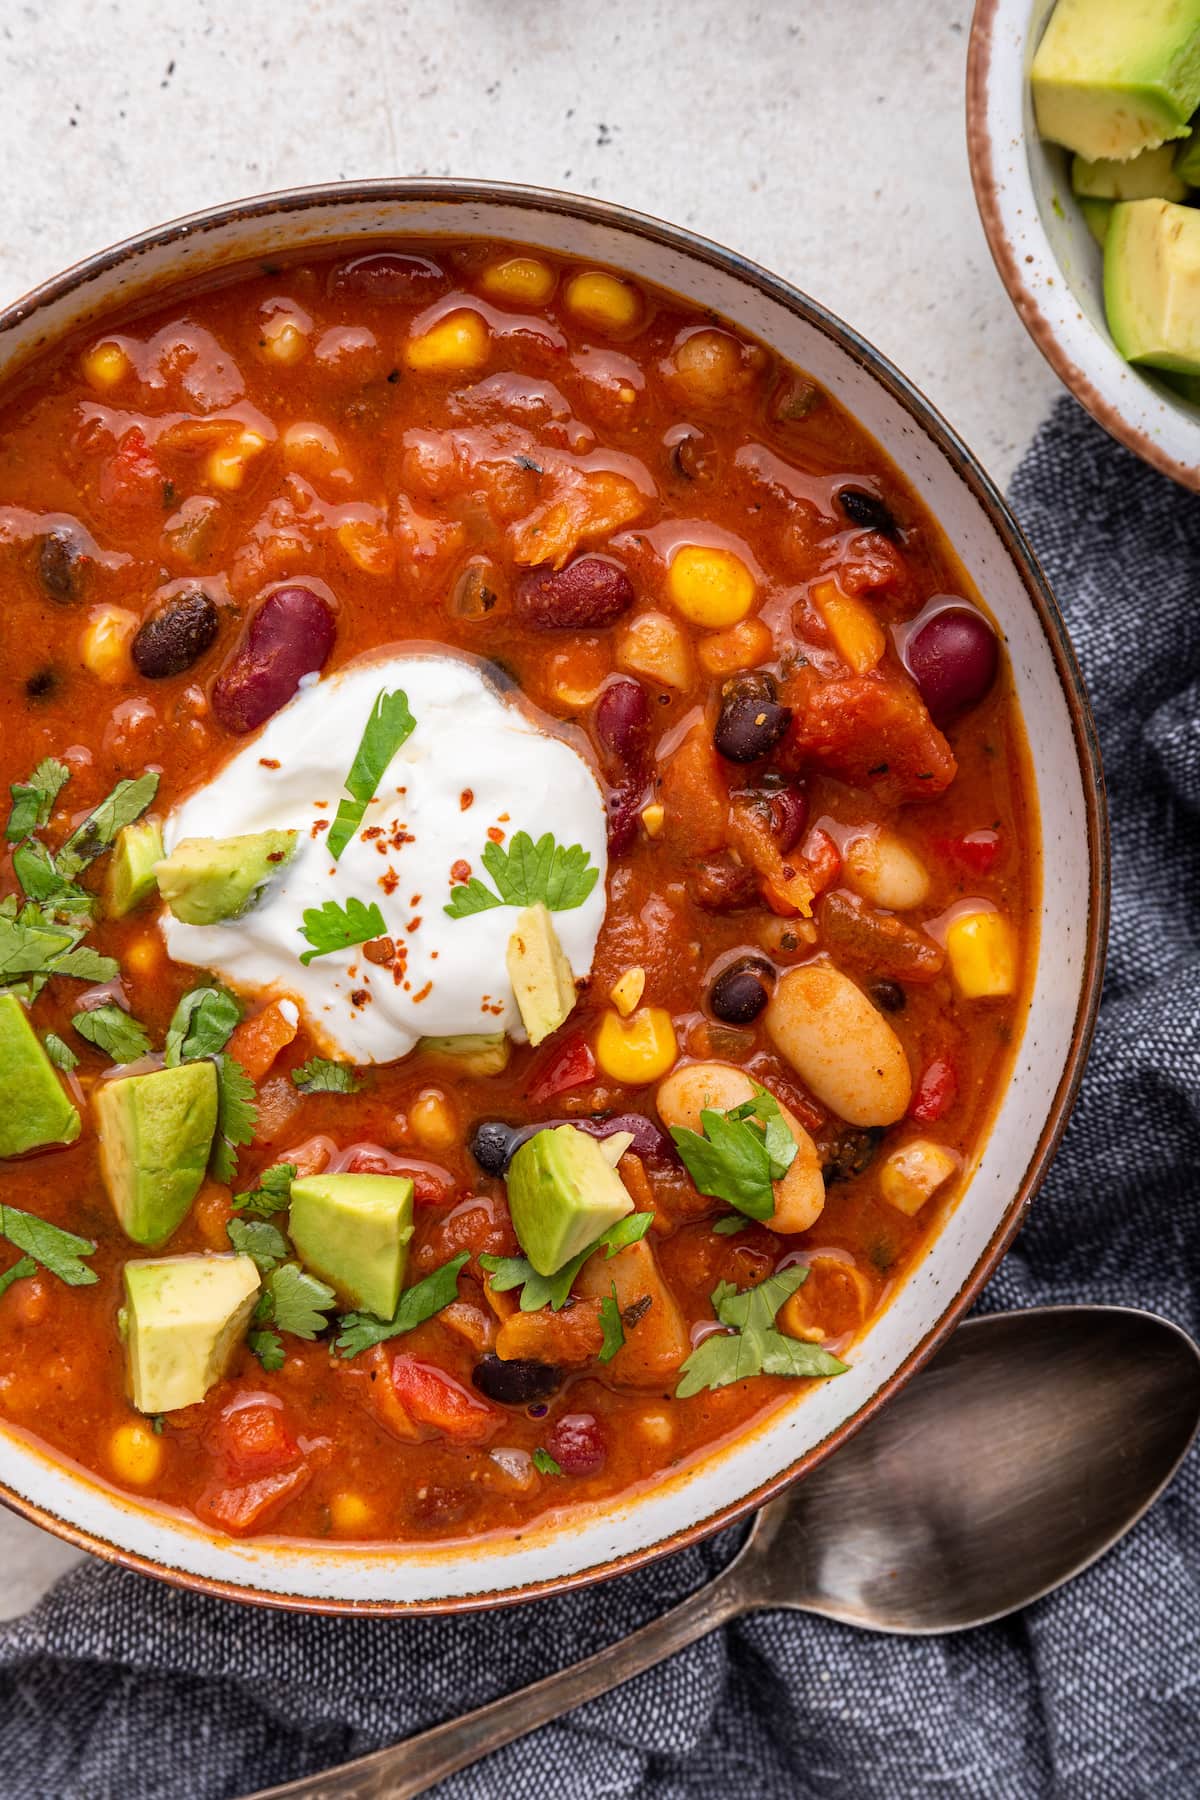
(577, 1444)
(290, 636)
(789, 816)
(176, 636)
(385, 275)
(953, 659)
(584, 596)
(751, 721)
(624, 805)
(623, 720)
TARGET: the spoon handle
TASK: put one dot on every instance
(412, 1767)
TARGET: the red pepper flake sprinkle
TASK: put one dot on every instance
(423, 993)
(389, 881)
(380, 950)
(268, 762)
(318, 826)
(371, 833)
(459, 871)
(495, 833)
(466, 799)
(359, 997)
(414, 923)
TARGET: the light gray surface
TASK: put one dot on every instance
(823, 139)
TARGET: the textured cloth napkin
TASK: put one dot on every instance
(117, 1686)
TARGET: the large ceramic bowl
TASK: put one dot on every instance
(1047, 258)
(1048, 1061)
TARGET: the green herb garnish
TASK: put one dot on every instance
(544, 1463)
(555, 1290)
(201, 1025)
(525, 874)
(59, 1251)
(268, 1347)
(127, 802)
(112, 1030)
(389, 726)
(612, 1325)
(299, 1301)
(752, 1345)
(739, 1153)
(33, 800)
(237, 1116)
(273, 1193)
(359, 1331)
(265, 1243)
(18, 1272)
(320, 1076)
(730, 1225)
(334, 927)
(60, 1054)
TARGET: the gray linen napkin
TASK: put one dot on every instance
(119, 1688)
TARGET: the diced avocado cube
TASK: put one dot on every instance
(184, 1318)
(353, 1231)
(206, 880)
(540, 973)
(37, 1109)
(1152, 283)
(155, 1133)
(1096, 216)
(130, 876)
(1111, 78)
(1150, 176)
(475, 1052)
(562, 1195)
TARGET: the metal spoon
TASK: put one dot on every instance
(1028, 1447)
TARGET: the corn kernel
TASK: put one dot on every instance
(349, 1512)
(135, 1454)
(432, 1121)
(283, 341)
(913, 1173)
(227, 464)
(711, 588)
(368, 546)
(524, 279)
(639, 1049)
(835, 1299)
(653, 645)
(104, 643)
(627, 990)
(307, 445)
(652, 818)
(574, 677)
(743, 646)
(656, 1427)
(105, 367)
(459, 341)
(604, 301)
(143, 956)
(982, 955)
(856, 632)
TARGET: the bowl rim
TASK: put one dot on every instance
(535, 200)
(982, 156)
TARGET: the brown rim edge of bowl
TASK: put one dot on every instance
(987, 496)
(981, 157)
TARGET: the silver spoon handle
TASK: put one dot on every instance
(410, 1768)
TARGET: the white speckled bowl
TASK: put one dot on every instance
(669, 1512)
(1047, 257)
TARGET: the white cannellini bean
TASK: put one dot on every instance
(839, 1045)
(660, 1341)
(683, 1096)
(881, 867)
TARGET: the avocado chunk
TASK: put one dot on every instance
(206, 880)
(1110, 78)
(1152, 284)
(540, 973)
(353, 1231)
(130, 878)
(562, 1194)
(1151, 176)
(1096, 216)
(155, 1133)
(185, 1316)
(475, 1052)
(37, 1109)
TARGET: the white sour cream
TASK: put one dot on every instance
(474, 763)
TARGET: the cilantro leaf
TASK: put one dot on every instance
(273, 1193)
(201, 1025)
(526, 873)
(18, 1272)
(237, 1116)
(268, 1347)
(299, 1300)
(60, 1054)
(113, 1031)
(27, 948)
(359, 1331)
(127, 802)
(34, 868)
(752, 1345)
(612, 1325)
(320, 1076)
(334, 927)
(33, 800)
(389, 725)
(86, 964)
(555, 1290)
(730, 1225)
(265, 1243)
(738, 1154)
(544, 1463)
(781, 1145)
(57, 1250)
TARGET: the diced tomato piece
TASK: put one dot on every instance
(132, 474)
(976, 851)
(251, 1439)
(239, 1510)
(823, 859)
(577, 1444)
(936, 1091)
(433, 1398)
(569, 1065)
(873, 731)
(432, 1185)
(257, 1041)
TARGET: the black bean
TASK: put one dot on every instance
(852, 1154)
(741, 991)
(62, 566)
(889, 995)
(491, 1145)
(868, 511)
(176, 636)
(515, 1382)
(751, 720)
(42, 684)
(694, 456)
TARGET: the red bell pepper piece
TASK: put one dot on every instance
(976, 851)
(431, 1397)
(936, 1091)
(569, 1065)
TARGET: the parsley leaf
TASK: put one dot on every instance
(18, 1272)
(739, 1153)
(334, 927)
(555, 1290)
(34, 868)
(273, 1193)
(320, 1076)
(255, 1238)
(299, 1301)
(359, 1331)
(612, 1325)
(389, 725)
(86, 964)
(752, 1345)
(59, 1251)
(201, 1025)
(60, 1054)
(544, 1463)
(127, 802)
(237, 1116)
(113, 1031)
(33, 800)
(268, 1347)
(28, 948)
(527, 873)
(730, 1225)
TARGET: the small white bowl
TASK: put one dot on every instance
(1047, 257)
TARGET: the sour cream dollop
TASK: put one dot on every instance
(476, 766)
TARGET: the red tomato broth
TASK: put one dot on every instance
(426, 477)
